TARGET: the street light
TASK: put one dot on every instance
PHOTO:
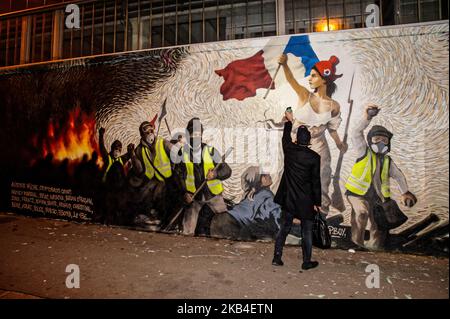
(330, 25)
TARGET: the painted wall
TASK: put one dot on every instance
(52, 113)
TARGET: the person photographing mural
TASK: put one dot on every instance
(368, 186)
(299, 193)
(319, 112)
(199, 161)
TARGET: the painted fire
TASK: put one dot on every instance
(70, 139)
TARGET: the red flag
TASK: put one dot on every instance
(244, 77)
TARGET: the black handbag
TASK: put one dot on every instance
(321, 233)
(388, 215)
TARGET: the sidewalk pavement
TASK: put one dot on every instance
(120, 263)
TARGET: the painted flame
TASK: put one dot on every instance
(72, 139)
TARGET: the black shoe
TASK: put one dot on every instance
(276, 261)
(310, 265)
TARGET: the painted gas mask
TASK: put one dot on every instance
(380, 147)
(147, 131)
(116, 149)
(379, 139)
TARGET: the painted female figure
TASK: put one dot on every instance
(320, 113)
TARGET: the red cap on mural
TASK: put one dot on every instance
(327, 69)
(152, 122)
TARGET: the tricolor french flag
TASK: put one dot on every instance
(244, 77)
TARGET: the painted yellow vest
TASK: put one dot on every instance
(361, 176)
(161, 162)
(110, 162)
(215, 185)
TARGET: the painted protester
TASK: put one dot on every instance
(198, 165)
(319, 113)
(370, 179)
(114, 155)
(151, 168)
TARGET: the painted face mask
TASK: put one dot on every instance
(195, 143)
(195, 140)
(116, 153)
(150, 138)
(379, 148)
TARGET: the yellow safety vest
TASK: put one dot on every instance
(161, 162)
(215, 185)
(362, 172)
(110, 162)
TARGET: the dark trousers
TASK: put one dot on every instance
(307, 235)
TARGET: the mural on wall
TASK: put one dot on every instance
(115, 139)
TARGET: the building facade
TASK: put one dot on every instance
(35, 30)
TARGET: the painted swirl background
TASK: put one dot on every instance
(403, 70)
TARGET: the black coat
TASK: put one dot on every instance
(300, 187)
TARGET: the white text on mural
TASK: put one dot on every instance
(49, 200)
